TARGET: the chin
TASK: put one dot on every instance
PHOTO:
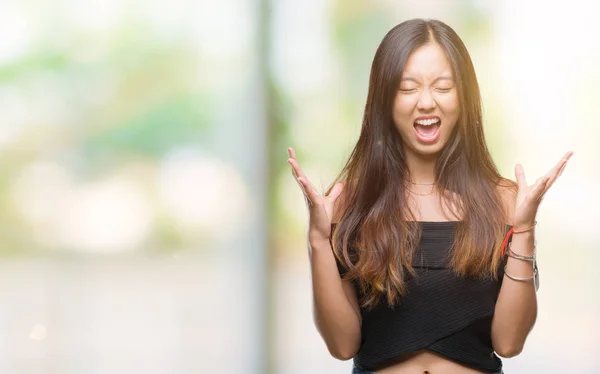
(427, 149)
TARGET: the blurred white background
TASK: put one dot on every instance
(150, 223)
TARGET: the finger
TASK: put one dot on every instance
(561, 163)
(293, 169)
(558, 169)
(296, 167)
(561, 170)
(292, 153)
(304, 191)
(316, 203)
(567, 156)
(312, 194)
(536, 185)
(306, 185)
(520, 176)
(540, 189)
(296, 178)
(312, 187)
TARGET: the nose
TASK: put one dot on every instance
(426, 101)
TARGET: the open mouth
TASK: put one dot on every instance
(427, 131)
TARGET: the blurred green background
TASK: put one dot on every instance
(149, 220)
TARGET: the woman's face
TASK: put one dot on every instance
(426, 106)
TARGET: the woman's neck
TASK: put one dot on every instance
(421, 168)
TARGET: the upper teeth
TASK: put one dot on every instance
(427, 122)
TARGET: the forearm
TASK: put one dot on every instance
(516, 307)
(335, 316)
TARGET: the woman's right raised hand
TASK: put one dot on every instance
(320, 207)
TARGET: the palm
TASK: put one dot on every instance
(530, 196)
(320, 206)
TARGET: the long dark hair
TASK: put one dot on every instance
(376, 234)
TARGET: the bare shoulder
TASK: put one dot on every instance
(507, 190)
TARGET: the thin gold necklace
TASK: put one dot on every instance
(422, 184)
(422, 194)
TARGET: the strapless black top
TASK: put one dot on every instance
(441, 312)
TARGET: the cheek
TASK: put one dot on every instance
(449, 104)
(403, 110)
(451, 109)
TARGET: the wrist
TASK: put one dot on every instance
(319, 243)
(527, 236)
(524, 227)
(524, 243)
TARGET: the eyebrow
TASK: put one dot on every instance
(442, 77)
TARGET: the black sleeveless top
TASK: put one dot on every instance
(441, 312)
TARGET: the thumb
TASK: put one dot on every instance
(336, 191)
(520, 176)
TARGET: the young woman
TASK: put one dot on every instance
(422, 255)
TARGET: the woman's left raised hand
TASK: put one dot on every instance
(530, 197)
